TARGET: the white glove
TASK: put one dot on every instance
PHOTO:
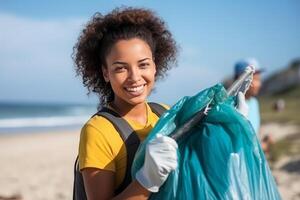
(242, 106)
(160, 160)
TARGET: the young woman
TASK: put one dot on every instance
(120, 56)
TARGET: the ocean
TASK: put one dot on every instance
(26, 117)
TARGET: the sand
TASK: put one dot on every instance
(279, 131)
(287, 170)
(40, 166)
(287, 176)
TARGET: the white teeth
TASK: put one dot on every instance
(135, 89)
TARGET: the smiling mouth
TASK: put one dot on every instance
(135, 90)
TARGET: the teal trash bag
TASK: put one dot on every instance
(220, 158)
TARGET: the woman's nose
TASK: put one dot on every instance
(135, 74)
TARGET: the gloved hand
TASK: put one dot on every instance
(160, 160)
(242, 106)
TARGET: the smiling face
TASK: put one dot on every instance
(130, 69)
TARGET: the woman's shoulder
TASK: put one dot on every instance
(99, 124)
(100, 131)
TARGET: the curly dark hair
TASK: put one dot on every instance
(102, 32)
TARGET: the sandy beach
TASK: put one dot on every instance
(40, 166)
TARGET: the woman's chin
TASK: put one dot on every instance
(137, 100)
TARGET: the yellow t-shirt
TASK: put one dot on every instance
(102, 147)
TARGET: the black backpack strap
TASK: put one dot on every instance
(157, 108)
(78, 186)
(120, 124)
(131, 142)
(130, 139)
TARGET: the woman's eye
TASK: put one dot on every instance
(144, 65)
(120, 69)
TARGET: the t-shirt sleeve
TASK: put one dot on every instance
(95, 150)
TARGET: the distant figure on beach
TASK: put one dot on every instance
(251, 100)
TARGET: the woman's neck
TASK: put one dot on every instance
(136, 112)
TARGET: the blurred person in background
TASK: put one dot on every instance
(253, 114)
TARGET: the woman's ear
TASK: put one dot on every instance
(105, 74)
(154, 68)
(154, 64)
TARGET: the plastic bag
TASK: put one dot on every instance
(220, 158)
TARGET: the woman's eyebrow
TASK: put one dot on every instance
(124, 63)
(143, 59)
(120, 63)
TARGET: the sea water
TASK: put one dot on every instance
(26, 117)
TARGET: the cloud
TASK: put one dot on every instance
(36, 42)
(35, 59)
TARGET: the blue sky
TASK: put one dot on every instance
(36, 40)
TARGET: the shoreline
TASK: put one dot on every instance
(38, 130)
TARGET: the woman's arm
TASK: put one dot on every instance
(99, 185)
(160, 160)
